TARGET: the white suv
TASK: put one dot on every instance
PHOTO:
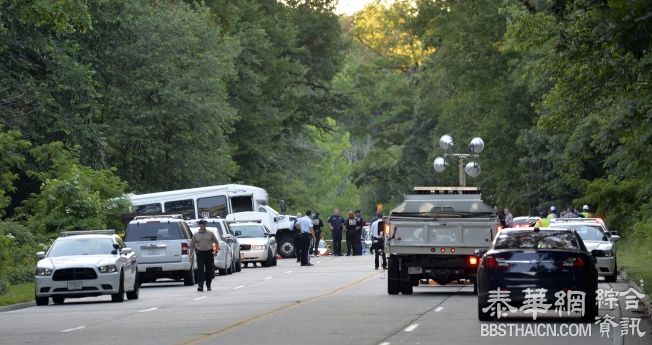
(162, 245)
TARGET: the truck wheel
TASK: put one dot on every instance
(406, 287)
(393, 278)
(286, 246)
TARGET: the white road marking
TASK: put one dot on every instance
(318, 262)
(385, 343)
(147, 310)
(412, 327)
(268, 278)
(439, 309)
(73, 329)
(238, 287)
(288, 272)
(199, 298)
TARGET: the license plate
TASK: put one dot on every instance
(415, 270)
(150, 251)
(74, 285)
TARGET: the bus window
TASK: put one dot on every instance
(184, 207)
(242, 203)
(148, 209)
(214, 205)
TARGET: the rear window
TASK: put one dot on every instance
(536, 240)
(153, 231)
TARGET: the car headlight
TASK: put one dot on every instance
(258, 247)
(608, 253)
(108, 269)
(42, 271)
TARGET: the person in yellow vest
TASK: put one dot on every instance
(585, 212)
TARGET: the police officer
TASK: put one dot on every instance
(307, 234)
(357, 248)
(336, 224)
(350, 226)
(378, 238)
(297, 238)
(205, 245)
(317, 224)
(585, 212)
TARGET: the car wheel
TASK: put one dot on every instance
(238, 266)
(275, 261)
(58, 299)
(232, 270)
(484, 316)
(42, 300)
(120, 295)
(269, 261)
(286, 247)
(475, 288)
(134, 294)
(612, 278)
(189, 277)
(393, 282)
(246, 265)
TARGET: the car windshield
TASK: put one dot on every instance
(536, 240)
(81, 246)
(153, 231)
(587, 232)
(243, 231)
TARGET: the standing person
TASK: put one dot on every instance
(350, 227)
(509, 219)
(205, 245)
(297, 238)
(307, 234)
(378, 238)
(357, 248)
(336, 223)
(317, 224)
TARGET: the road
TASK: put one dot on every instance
(340, 300)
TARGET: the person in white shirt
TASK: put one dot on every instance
(378, 241)
(307, 234)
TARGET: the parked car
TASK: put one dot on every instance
(595, 238)
(223, 260)
(533, 258)
(257, 243)
(229, 237)
(525, 221)
(162, 246)
(86, 264)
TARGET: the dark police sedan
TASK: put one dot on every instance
(537, 271)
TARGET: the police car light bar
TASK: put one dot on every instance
(171, 216)
(244, 221)
(88, 232)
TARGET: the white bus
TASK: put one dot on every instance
(204, 202)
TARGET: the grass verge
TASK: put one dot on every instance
(17, 294)
(634, 258)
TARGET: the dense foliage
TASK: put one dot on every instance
(103, 97)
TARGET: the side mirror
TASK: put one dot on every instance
(116, 246)
(238, 233)
(126, 251)
(271, 235)
(279, 218)
(479, 252)
(614, 238)
(40, 255)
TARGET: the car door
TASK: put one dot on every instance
(128, 263)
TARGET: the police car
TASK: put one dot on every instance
(85, 264)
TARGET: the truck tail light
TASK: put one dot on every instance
(473, 261)
(184, 248)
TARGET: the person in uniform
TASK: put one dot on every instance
(297, 238)
(351, 225)
(307, 234)
(378, 238)
(585, 212)
(336, 223)
(205, 246)
(317, 224)
(357, 248)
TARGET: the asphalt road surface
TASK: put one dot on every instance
(340, 300)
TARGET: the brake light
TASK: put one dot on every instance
(184, 248)
(494, 263)
(388, 230)
(473, 260)
(577, 262)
